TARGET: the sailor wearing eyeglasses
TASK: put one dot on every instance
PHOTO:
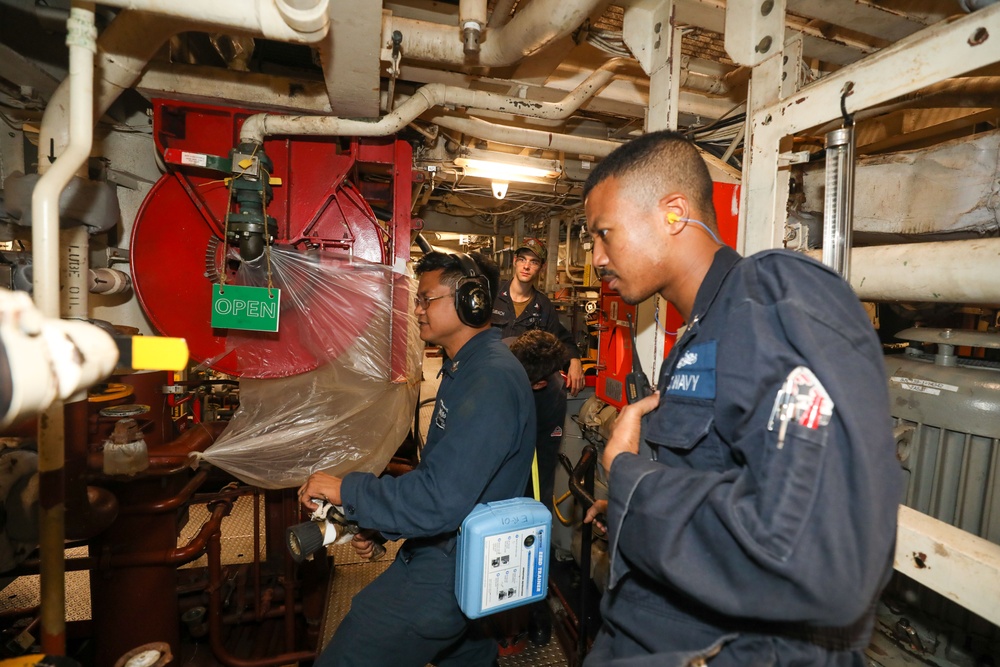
(521, 307)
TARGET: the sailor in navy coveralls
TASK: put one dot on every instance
(521, 307)
(753, 497)
(479, 449)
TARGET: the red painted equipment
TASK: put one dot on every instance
(328, 187)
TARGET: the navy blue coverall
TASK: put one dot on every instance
(550, 409)
(539, 314)
(479, 449)
(725, 546)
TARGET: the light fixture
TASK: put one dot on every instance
(506, 167)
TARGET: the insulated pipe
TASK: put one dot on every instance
(307, 22)
(519, 136)
(536, 26)
(256, 127)
(128, 44)
(81, 39)
(501, 13)
(966, 272)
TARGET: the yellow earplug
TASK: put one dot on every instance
(672, 218)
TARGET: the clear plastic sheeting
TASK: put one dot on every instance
(352, 322)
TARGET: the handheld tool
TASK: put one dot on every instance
(636, 384)
(327, 525)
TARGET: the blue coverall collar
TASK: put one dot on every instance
(723, 262)
(450, 366)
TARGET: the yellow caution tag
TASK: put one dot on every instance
(245, 163)
(275, 180)
(159, 353)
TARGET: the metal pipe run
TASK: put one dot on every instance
(539, 24)
(215, 626)
(81, 39)
(520, 136)
(432, 95)
(305, 21)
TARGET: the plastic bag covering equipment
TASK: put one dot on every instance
(324, 203)
(351, 413)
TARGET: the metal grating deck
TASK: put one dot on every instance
(352, 574)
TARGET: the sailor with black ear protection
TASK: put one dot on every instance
(472, 294)
(673, 218)
(479, 447)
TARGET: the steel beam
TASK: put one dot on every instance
(864, 16)
(939, 52)
(958, 565)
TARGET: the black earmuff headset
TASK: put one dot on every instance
(472, 294)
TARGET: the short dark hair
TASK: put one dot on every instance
(540, 352)
(452, 269)
(658, 163)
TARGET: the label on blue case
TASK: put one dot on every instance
(513, 567)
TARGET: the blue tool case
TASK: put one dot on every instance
(503, 556)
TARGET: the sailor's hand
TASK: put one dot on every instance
(600, 507)
(320, 486)
(575, 381)
(363, 546)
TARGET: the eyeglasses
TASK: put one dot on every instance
(521, 259)
(422, 302)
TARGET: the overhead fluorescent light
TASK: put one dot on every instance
(506, 167)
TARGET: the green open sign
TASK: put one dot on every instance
(248, 308)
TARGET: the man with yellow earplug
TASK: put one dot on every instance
(752, 498)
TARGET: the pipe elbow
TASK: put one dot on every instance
(311, 21)
(254, 129)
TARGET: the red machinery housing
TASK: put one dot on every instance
(330, 189)
(615, 341)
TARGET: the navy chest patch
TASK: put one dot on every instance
(694, 374)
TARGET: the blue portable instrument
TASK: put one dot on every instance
(503, 556)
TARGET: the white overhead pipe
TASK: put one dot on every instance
(501, 13)
(81, 39)
(966, 272)
(432, 95)
(536, 26)
(82, 42)
(520, 136)
(299, 21)
(133, 38)
(258, 126)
